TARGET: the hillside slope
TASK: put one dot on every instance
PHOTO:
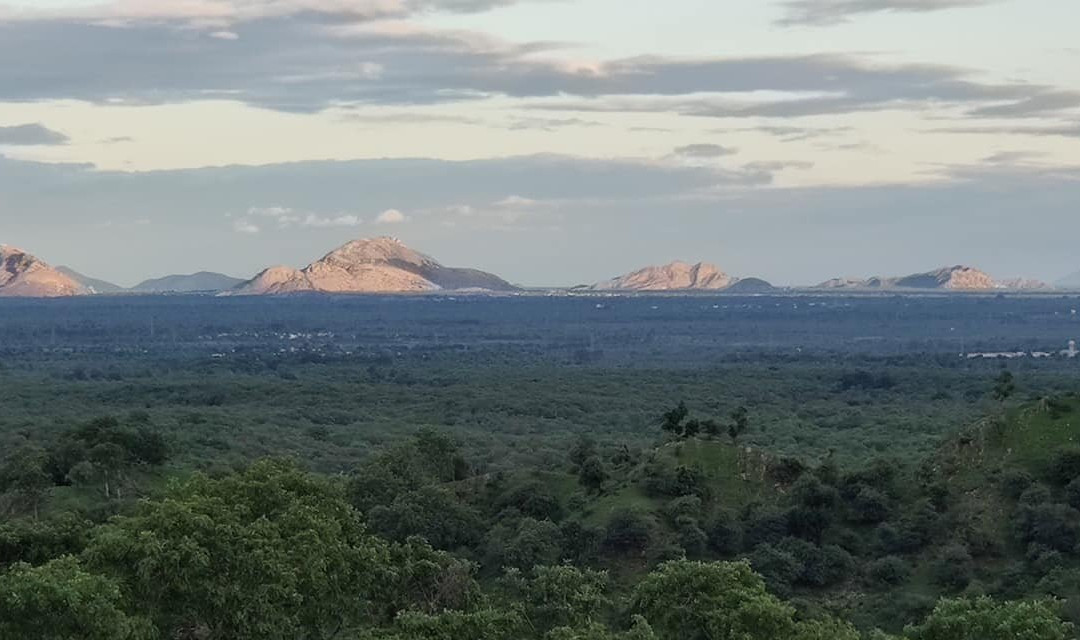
(25, 275)
(379, 265)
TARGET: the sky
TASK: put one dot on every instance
(554, 142)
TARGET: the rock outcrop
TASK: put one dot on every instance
(677, 276)
(379, 265)
(958, 278)
(24, 275)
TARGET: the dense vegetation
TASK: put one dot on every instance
(382, 469)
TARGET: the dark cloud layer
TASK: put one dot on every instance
(30, 134)
(308, 62)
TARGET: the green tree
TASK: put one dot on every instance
(525, 543)
(740, 423)
(673, 420)
(270, 553)
(558, 596)
(62, 601)
(484, 624)
(109, 459)
(596, 631)
(1004, 386)
(592, 474)
(985, 619)
(711, 601)
(25, 478)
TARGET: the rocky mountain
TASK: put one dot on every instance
(378, 265)
(24, 275)
(677, 276)
(201, 281)
(93, 284)
(958, 278)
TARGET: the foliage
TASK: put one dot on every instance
(61, 601)
(985, 619)
(269, 553)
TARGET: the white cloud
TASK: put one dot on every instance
(515, 202)
(286, 218)
(391, 216)
(346, 220)
(244, 225)
(225, 35)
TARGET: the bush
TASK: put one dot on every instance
(889, 571)
(869, 506)
(1014, 483)
(1054, 525)
(629, 533)
(1065, 466)
(954, 567)
(725, 536)
(780, 569)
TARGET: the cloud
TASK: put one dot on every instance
(304, 62)
(551, 124)
(29, 135)
(344, 220)
(775, 166)
(787, 133)
(1053, 130)
(287, 217)
(221, 13)
(245, 226)
(704, 151)
(828, 12)
(390, 216)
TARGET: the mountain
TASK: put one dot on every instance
(958, 278)
(23, 275)
(750, 285)
(378, 265)
(1071, 282)
(677, 276)
(951, 278)
(93, 284)
(201, 281)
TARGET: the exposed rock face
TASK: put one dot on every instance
(201, 281)
(379, 265)
(958, 278)
(677, 276)
(23, 275)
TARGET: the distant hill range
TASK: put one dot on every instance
(203, 281)
(681, 276)
(377, 265)
(1070, 282)
(958, 278)
(93, 284)
(386, 265)
(25, 275)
